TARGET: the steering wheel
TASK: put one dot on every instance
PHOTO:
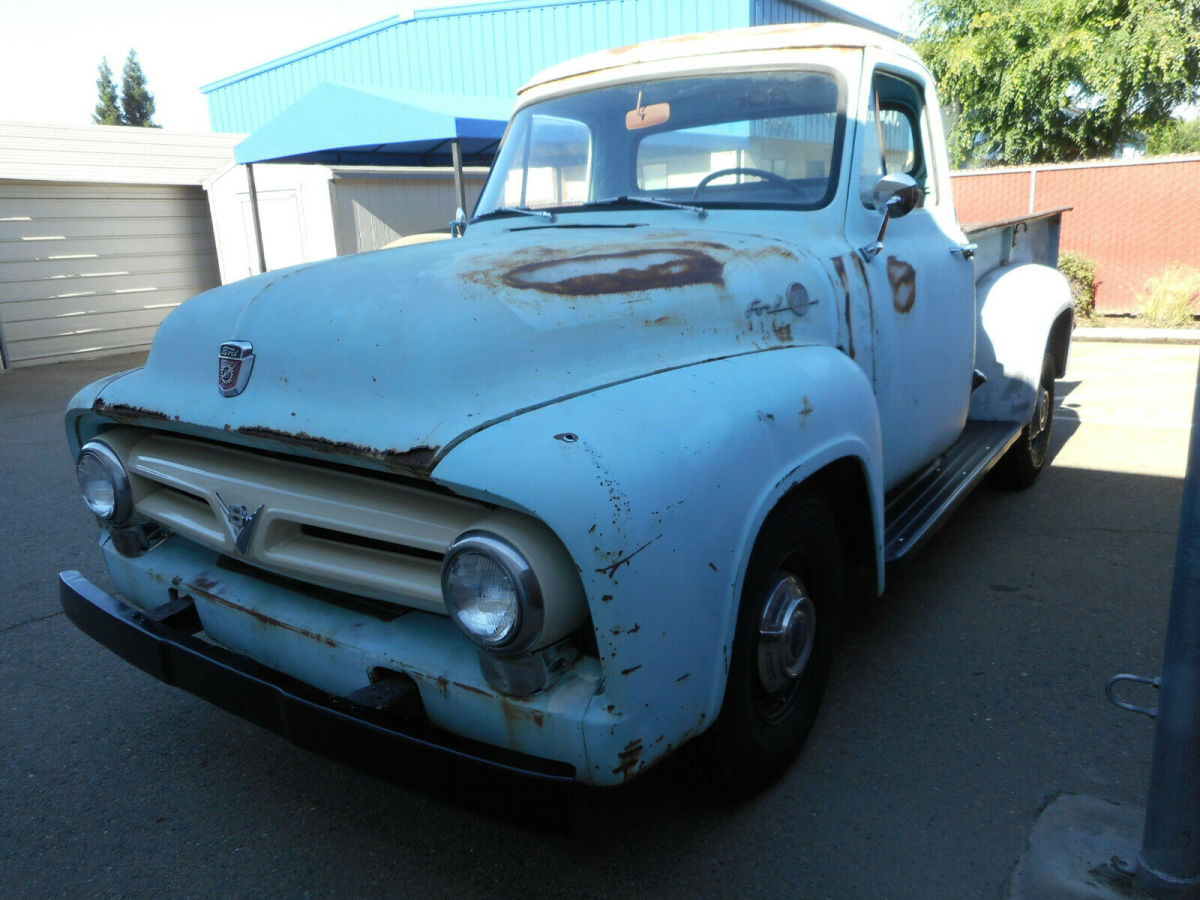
(741, 170)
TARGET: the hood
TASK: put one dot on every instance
(398, 355)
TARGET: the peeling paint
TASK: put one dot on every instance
(611, 570)
(630, 759)
(472, 689)
(418, 459)
(847, 296)
(206, 588)
(628, 271)
(124, 413)
(903, 279)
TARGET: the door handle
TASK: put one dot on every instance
(966, 250)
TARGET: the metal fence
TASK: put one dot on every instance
(1133, 217)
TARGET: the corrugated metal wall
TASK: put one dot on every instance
(370, 212)
(94, 268)
(487, 50)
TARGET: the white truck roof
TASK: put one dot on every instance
(740, 40)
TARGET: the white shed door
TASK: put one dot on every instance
(91, 269)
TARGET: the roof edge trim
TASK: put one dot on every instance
(363, 32)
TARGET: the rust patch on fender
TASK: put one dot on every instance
(471, 688)
(844, 277)
(627, 272)
(611, 570)
(514, 713)
(903, 279)
(420, 459)
(783, 332)
(630, 759)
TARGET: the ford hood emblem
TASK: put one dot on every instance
(234, 364)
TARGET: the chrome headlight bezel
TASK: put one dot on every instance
(120, 509)
(529, 614)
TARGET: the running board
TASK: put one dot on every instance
(917, 509)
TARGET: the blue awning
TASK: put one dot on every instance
(354, 125)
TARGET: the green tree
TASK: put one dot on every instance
(1055, 80)
(1177, 136)
(137, 103)
(106, 112)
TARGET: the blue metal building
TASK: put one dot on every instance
(485, 50)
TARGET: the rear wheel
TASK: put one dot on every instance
(782, 650)
(1025, 459)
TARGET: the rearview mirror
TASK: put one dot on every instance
(647, 116)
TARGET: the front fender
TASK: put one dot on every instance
(1018, 307)
(658, 487)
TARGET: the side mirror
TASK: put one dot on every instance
(458, 226)
(895, 196)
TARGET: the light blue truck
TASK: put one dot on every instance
(590, 484)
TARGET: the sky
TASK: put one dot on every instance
(50, 52)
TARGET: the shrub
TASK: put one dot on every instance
(1080, 270)
(1167, 300)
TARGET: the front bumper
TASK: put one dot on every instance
(412, 752)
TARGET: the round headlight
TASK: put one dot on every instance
(491, 592)
(104, 483)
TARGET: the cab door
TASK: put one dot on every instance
(921, 285)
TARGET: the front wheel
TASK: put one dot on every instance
(1025, 459)
(782, 650)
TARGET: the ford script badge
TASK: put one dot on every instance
(233, 367)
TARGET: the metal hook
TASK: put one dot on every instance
(1110, 692)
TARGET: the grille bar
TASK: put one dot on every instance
(343, 531)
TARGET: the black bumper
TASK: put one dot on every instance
(413, 753)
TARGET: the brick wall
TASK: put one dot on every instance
(1135, 218)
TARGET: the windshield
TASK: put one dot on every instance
(759, 139)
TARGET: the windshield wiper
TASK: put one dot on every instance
(652, 201)
(521, 211)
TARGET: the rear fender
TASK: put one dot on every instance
(658, 487)
(1019, 307)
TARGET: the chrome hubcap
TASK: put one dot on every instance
(1041, 413)
(786, 634)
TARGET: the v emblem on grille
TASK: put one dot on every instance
(241, 523)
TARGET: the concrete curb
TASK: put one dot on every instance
(1139, 335)
(1080, 848)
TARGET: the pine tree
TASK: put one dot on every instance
(137, 103)
(107, 112)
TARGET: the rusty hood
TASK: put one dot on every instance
(398, 355)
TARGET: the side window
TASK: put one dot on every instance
(893, 135)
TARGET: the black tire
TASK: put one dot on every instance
(765, 719)
(1024, 461)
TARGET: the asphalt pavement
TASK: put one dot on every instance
(962, 704)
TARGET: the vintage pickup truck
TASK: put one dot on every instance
(588, 485)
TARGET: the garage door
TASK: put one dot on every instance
(92, 269)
